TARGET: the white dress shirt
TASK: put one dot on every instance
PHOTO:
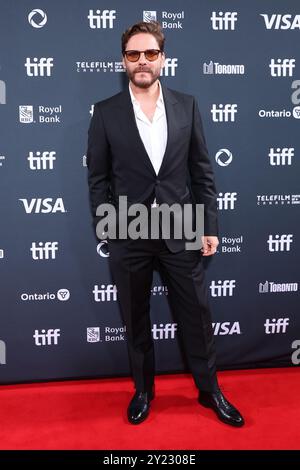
(153, 134)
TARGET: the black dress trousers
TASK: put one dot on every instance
(132, 263)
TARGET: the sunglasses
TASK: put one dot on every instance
(150, 54)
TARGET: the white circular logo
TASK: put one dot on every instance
(63, 294)
(102, 249)
(224, 162)
(37, 18)
(296, 112)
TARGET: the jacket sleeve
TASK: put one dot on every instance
(99, 163)
(201, 174)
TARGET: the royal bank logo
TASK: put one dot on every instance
(37, 18)
(215, 68)
(93, 334)
(46, 114)
(273, 287)
(149, 16)
(224, 157)
(2, 92)
(26, 114)
(2, 158)
(101, 19)
(278, 199)
(2, 352)
(223, 21)
(1, 253)
(283, 22)
(168, 19)
(231, 244)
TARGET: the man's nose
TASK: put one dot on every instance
(142, 59)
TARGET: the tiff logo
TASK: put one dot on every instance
(41, 160)
(100, 20)
(46, 338)
(280, 242)
(281, 156)
(44, 250)
(226, 201)
(222, 288)
(169, 67)
(2, 92)
(223, 113)
(2, 352)
(223, 21)
(166, 331)
(39, 67)
(276, 325)
(282, 67)
(105, 293)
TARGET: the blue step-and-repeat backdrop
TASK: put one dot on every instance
(240, 59)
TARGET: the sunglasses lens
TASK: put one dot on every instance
(132, 56)
(151, 54)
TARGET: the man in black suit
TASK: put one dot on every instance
(147, 143)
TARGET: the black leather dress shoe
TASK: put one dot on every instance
(225, 411)
(139, 407)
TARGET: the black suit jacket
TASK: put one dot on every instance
(118, 163)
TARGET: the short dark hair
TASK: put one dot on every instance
(152, 27)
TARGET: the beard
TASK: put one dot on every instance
(145, 81)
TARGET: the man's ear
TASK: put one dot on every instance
(123, 62)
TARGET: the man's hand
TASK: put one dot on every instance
(209, 245)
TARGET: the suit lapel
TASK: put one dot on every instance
(127, 121)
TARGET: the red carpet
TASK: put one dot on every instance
(91, 414)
